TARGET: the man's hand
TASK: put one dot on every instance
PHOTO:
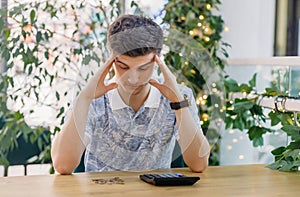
(169, 87)
(96, 87)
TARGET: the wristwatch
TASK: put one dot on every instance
(178, 105)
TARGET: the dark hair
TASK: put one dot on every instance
(134, 35)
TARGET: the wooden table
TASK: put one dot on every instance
(242, 180)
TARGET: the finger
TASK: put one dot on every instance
(111, 86)
(164, 90)
(160, 63)
(108, 64)
(155, 84)
(163, 67)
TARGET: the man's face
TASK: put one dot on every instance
(133, 73)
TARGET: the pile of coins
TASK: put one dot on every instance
(115, 180)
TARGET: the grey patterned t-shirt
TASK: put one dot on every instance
(121, 139)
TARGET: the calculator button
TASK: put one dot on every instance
(149, 176)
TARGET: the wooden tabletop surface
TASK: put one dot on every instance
(241, 180)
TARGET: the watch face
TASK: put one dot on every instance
(175, 105)
(182, 104)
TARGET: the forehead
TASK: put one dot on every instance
(139, 60)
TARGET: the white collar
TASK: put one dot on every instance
(116, 101)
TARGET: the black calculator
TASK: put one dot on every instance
(169, 179)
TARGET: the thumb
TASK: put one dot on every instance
(155, 84)
(111, 86)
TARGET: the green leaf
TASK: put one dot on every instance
(278, 151)
(56, 129)
(11, 81)
(238, 123)
(294, 145)
(77, 51)
(287, 160)
(295, 154)
(258, 142)
(245, 88)
(18, 115)
(46, 54)
(53, 13)
(133, 3)
(286, 167)
(55, 60)
(293, 131)
(255, 134)
(272, 92)
(40, 143)
(252, 82)
(290, 128)
(228, 122)
(46, 35)
(36, 94)
(7, 33)
(51, 79)
(2, 25)
(257, 110)
(30, 70)
(38, 36)
(61, 111)
(231, 85)
(57, 96)
(286, 119)
(275, 118)
(241, 105)
(276, 165)
(86, 60)
(32, 16)
(6, 55)
(68, 59)
(191, 20)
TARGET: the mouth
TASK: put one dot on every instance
(134, 86)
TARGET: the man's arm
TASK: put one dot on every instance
(194, 145)
(71, 141)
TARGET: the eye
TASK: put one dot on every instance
(144, 68)
(122, 66)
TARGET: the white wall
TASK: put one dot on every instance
(251, 27)
(251, 35)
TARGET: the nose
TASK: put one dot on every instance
(133, 78)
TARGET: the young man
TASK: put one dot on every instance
(132, 121)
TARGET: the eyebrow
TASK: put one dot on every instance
(138, 66)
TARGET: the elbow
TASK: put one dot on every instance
(198, 169)
(200, 165)
(62, 168)
(63, 165)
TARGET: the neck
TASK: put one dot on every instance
(135, 101)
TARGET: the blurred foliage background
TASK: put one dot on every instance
(50, 49)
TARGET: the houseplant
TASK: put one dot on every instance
(46, 40)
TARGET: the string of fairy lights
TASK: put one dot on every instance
(203, 31)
